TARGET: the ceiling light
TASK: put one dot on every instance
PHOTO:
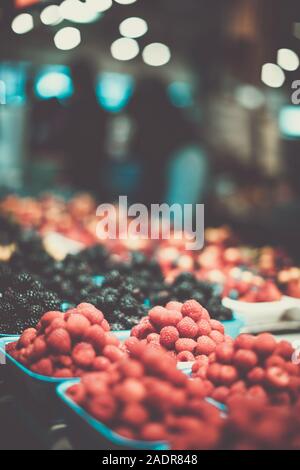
(156, 54)
(287, 59)
(78, 12)
(22, 23)
(67, 38)
(272, 75)
(124, 49)
(51, 15)
(133, 27)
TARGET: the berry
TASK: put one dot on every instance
(192, 309)
(173, 305)
(102, 408)
(95, 335)
(204, 327)
(83, 355)
(220, 394)
(130, 390)
(77, 325)
(113, 353)
(94, 315)
(214, 373)
(153, 432)
(131, 368)
(228, 375)
(27, 337)
(134, 414)
(284, 349)
(245, 341)
(63, 373)
(245, 359)
(205, 345)
(59, 341)
(153, 337)
(224, 353)
(217, 337)
(168, 337)
(256, 375)
(216, 325)
(185, 344)
(264, 344)
(277, 377)
(43, 367)
(77, 393)
(100, 363)
(185, 356)
(187, 328)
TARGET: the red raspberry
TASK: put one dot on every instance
(59, 341)
(95, 383)
(102, 408)
(238, 387)
(275, 360)
(228, 340)
(77, 393)
(202, 360)
(176, 377)
(55, 324)
(62, 361)
(205, 315)
(214, 373)
(245, 359)
(256, 375)
(192, 309)
(131, 368)
(153, 338)
(156, 314)
(185, 356)
(134, 414)
(43, 367)
(111, 339)
(201, 372)
(204, 328)
(125, 432)
(224, 353)
(264, 344)
(27, 338)
(205, 345)
(185, 344)
(39, 347)
(259, 393)
(94, 315)
(216, 325)
(96, 336)
(130, 390)
(228, 375)
(134, 347)
(220, 394)
(168, 337)
(196, 388)
(187, 328)
(208, 387)
(63, 373)
(244, 341)
(48, 318)
(217, 337)
(145, 328)
(100, 363)
(77, 325)
(113, 353)
(173, 305)
(284, 349)
(277, 377)
(83, 355)
(292, 369)
(105, 325)
(154, 432)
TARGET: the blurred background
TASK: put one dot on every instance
(162, 100)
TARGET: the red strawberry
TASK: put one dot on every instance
(59, 341)
(77, 325)
(83, 355)
(168, 337)
(187, 328)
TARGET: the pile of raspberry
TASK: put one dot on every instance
(184, 329)
(68, 344)
(251, 366)
(146, 398)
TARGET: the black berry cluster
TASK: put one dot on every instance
(187, 286)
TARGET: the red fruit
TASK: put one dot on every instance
(204, 328)
(275, 360)
(154, 432)
(94, 315)
(245, 359)
(77, 393)
(205, 345)
(102, 407)
(220, 394)
(153, 338)
(134, 346)
(95, 383)
(216, 325)
(284, 349)
(62, 361)
(96, 336)
(202, 360)
(173, 305)
(192, 309)
(185, 344)
(124, 432)
(264, 344)
(83, 355)
(77, 325)
(238, 387)
(130, 390)
(55, 324)
(217, 337)
(131, 368)
(258, 392)
(168, 337)
(100, 363)
(113, 353)
(187, 328)
(214, 373)
(39, 347)
(134, 414)
(27, 338)
(48, 318)
(43, 367)
(277, 377)
(185, 356)
(105, 325)
(256, 375)
(156, 314)
(205, 315)
(292, 369)
(228, 375)
(63, 373)
(196, 388)
(59, 341)
(224, 353)
(244, 341)
(145, 328)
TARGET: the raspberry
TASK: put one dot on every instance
(238, 387)
(59, 341)
(55, 325)
(196, 388)
(217, 337)
(204, 328)
(245, 359)
(48, 318)
(156, 314)
(134, 346)
(284, 349)
(202, 360)
(113, 353)
(63, 374)
(187, 328)
(258, 392)
(264, 344)
(131, 368)
(192, 309)
(174, 305)
(256, 375)
(185, 344)
(77, 325)
(185, 356)
(205, 345)
(95, 383)
(111, 339)
(277, 377)
(62, 361)
(96, 336)
(131, 390)
(144, 329)
(275, 361)
(153, 338)
(224, 353)
(77, 393)
(228, 375)
(100, 363)
(94, 315)
(292, 369)
(105, 325)
(201, 372)
(205, 315)
(39, 347)
(134, 414)
(176, 377)
(83, 355)
(216, 325)
(214, 373)
(154, 432)
(102, 408)
(168, 337)
(220, 394)
(124, 432)
(27, 338)
(244, 341)
(43, 367)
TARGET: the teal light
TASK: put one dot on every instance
(180, 94)
(54, 82)
(289, 121)
(114, 90)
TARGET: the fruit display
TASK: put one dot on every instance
(68, 344)
(247, 286)
(289, 281)
(252, 366)
(186, 330)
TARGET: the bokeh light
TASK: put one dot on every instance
(133, 27)
(51, 15)
(156, 54)
(67, 38)
(272, 75)
(124, 49)
(22, 23)
(287, 59)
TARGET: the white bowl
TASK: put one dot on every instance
(258, 312)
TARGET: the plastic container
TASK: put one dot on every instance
(233, 327)
(122, 335)
(258, 312)
(88, 433)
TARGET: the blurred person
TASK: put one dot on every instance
(84, 131)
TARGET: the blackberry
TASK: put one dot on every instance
(128, 304)
(113, 278)
(23, 281)
(35, 311)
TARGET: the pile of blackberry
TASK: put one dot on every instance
(23, 301)
(187, 286)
